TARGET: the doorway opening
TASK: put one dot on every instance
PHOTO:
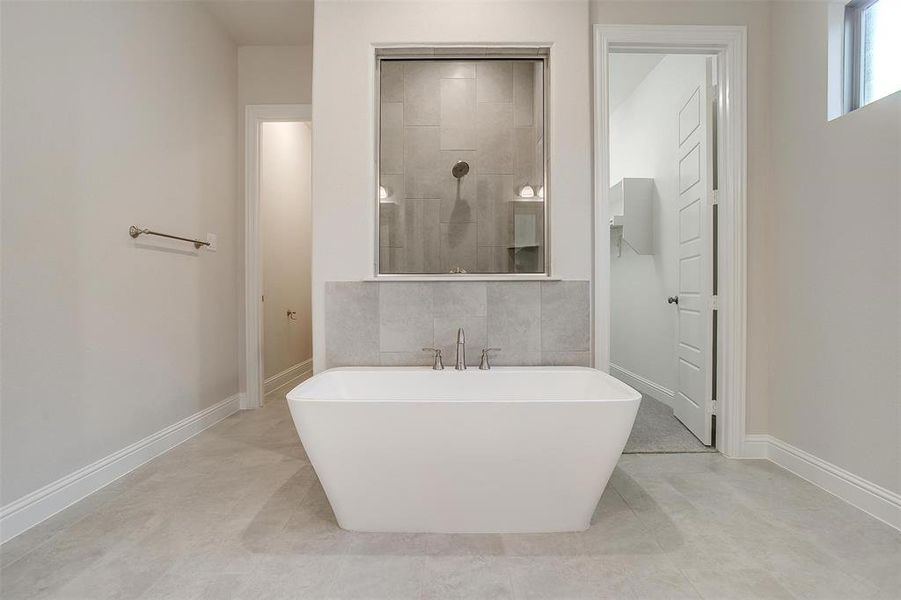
(670, 169)
(278, 295)
(662, 203)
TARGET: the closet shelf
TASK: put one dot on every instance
(632, 213)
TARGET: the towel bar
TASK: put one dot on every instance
(136, 231)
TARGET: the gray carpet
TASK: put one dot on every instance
(657, 430)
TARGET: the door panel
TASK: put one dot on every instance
(690, 221)
(693, 399)
(691, 329)
(690, 169)
(690, 116)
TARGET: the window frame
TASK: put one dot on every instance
(853, 51)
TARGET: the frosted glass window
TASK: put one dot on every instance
(881, 54)
(873, 48)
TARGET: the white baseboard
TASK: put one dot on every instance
(289, 376)
(26, 512)
(643, 385)
(879, 502)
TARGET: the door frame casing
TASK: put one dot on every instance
(729, 44)
(254, 117)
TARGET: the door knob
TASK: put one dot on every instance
(672, 300)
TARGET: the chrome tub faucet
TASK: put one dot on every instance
(460, 364)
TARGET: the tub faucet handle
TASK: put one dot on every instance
(484, 364)
(437, 363)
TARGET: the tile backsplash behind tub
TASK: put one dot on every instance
(388, 323)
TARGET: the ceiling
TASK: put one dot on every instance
(265, 22)
(626, 72)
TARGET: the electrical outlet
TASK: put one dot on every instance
(211, 238)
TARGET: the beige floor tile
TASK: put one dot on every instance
(469, 577)
(738, 584)
(375, 577)
(238, 512)
(567, 577)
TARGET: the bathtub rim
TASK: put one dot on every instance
(630, 393)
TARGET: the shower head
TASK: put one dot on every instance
(460, 168)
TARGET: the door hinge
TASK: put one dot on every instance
(715, 302)
(715, 198)
(713, 407)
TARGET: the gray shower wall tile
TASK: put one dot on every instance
(514, 321)
(405, 359)
(391, 84)
(458, 102)
(391, 149)
(495, 81)
(351, 323)
(387, 323)
(458, 247)
(422, 160)
(454, 299)
(392, 115)
(458, 200)
(495, 137)
(405, 317)
(422, 243)
(392, 260)
(422, 92)
(524, 159)
(523, 94)
(493, 259)
(565, 316)
(458, 70)
(494, 210)
(458, 138)
(566, 359)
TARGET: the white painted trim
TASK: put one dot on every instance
(869, 497)
(26, 512)
(288, 376)
(254, 116)
(730, 44)
(643, 384)
(756, 445)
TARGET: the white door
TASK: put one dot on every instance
(693, 404)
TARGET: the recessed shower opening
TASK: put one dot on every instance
(462, 163)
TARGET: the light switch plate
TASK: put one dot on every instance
(211, 238)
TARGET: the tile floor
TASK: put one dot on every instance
(237, 512)
(656, 429)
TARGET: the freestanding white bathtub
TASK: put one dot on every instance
(515, 449)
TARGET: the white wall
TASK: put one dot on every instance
(756, 17)
(275, 75)
(644, 142)
(112, 114)
(835, 366)
(285, 228)
(343, 161)
(266, 75)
